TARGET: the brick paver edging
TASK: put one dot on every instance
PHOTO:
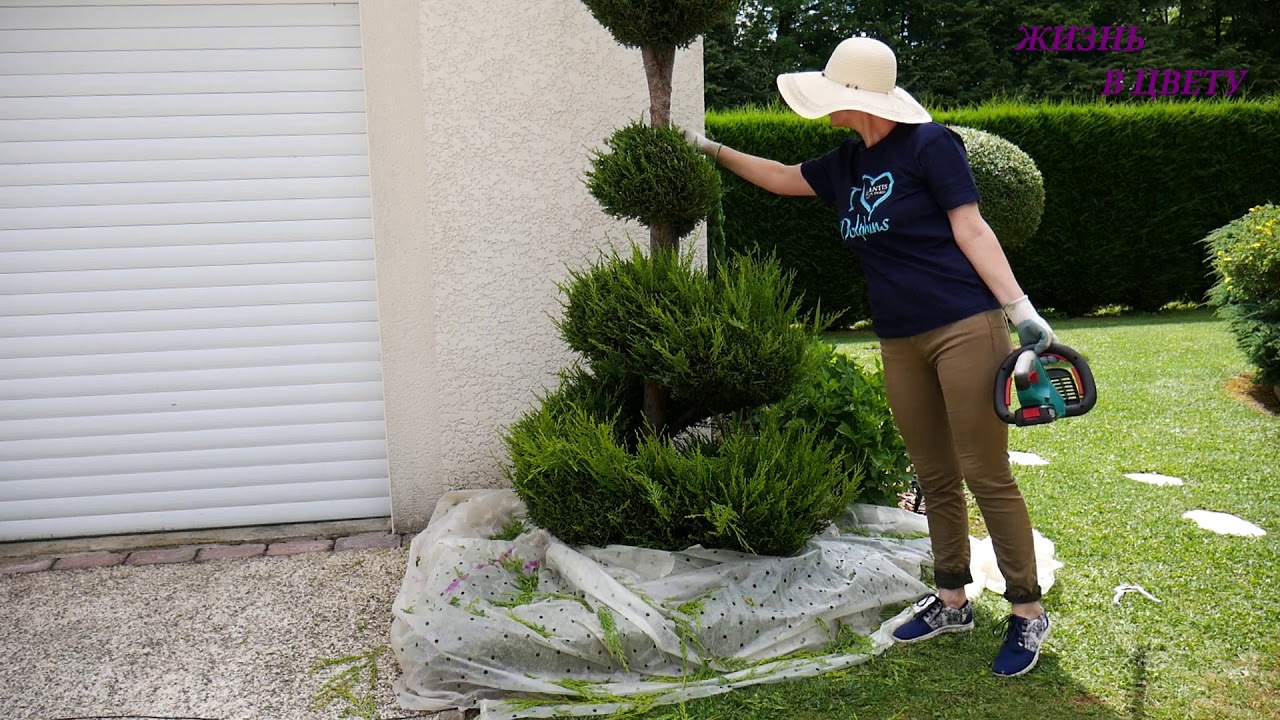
(203, 553)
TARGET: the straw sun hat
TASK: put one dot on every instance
(860, 75)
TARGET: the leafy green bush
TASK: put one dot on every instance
(654, 176)
(1245, 255)
(1009, 184)
(1129, 192)
(717, 345)
(847, 405)
(660, 23)
(756, 488)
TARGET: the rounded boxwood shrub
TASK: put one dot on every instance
(660, 23)
(652, 175)
(1011, 187)
(1245, 255)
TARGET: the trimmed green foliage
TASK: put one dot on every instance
(590, 472)
(762, 489)
(717, 345)
(847, 406)
(654, 176)
(1129, 192)
(1245, 255)
(660, 23)
(1011, 187)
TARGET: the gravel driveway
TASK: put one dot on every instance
(227, 639)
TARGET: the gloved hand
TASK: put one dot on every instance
(1031, 327)
(707, 147)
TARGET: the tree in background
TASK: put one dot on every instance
(957, 52)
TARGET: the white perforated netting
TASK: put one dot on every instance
(470, 630)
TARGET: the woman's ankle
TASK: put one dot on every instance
(952, 598)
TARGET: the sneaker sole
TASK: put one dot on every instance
(1034, 660)
(940, 631)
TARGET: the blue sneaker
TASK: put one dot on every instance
(1022, 643)
(934, 618)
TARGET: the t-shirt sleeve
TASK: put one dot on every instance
(820, 173)
(946, 170)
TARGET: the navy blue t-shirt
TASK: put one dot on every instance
(892, 199)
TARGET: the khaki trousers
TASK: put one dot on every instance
(940, 387)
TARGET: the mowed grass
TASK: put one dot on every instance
(1210, 649)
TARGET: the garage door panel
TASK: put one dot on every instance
(180, 127)
(189, 339)
(177, 360)
(189, 420)
(211, 459)
(238, 316)
(188, 316)
(169, 83)
(176, 16)
(105, 447)
(211, 38)
(161, 402)
(237, 477)
(188, 277)
(297, 512)
(126, 61)
(180, 500)
(144, 193)
(229, 378)
(182, 148)
(197, 255)
(224, 232)
(143, 106)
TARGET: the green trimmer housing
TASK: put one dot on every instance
(1054, 384)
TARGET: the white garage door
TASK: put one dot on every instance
(188, 330)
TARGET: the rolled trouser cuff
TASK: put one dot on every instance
(1022, 597)
(952, 580)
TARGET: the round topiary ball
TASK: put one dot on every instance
(1010, 184)
(653, 175)
(660, 23)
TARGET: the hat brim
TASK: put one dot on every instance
(811, 95)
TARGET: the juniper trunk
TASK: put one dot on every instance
(659, 68)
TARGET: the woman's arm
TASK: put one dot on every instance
(764, 173)
(980, 246)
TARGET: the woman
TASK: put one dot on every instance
(938, 281)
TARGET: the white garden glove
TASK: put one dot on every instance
(707, 147)
(1031, 327)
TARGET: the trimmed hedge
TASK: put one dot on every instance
(1130, 191)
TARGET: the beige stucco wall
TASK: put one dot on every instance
(481, 119)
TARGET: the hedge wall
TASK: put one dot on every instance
(1130, 191)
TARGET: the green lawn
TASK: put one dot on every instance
(1211, 649)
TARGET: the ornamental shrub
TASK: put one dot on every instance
(1245, 255)
(660, 23)
(1009, 183)
(754, 488)
(716, 345)
(646, 442)
(846, 405)
(592, 469)
(652, 175)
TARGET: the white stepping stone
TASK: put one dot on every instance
(1224, 523)
(1021, 458)
(1154, 478)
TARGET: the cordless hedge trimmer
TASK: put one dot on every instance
(1053, 384)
